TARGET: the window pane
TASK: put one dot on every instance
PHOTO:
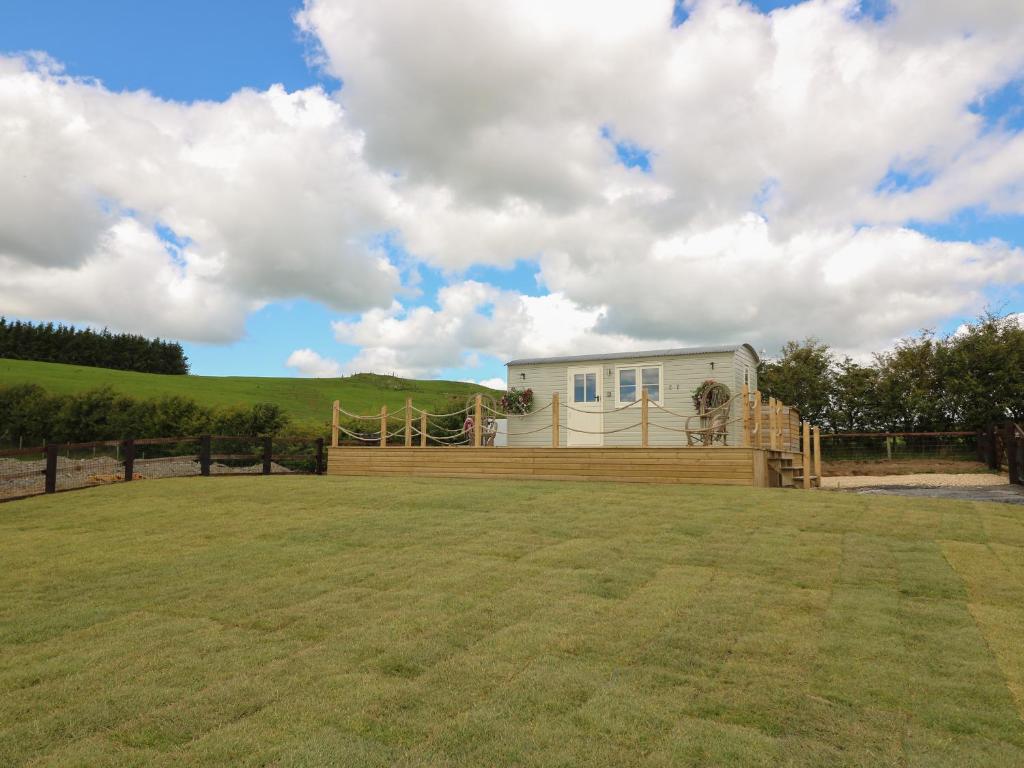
(591, 387)
(651, 378)
(627, 385)
(578, 393)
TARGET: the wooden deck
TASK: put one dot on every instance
(703, 466)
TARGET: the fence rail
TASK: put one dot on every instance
(68, 466)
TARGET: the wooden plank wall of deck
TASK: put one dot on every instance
(706, 466)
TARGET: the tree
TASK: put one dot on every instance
(802, 377)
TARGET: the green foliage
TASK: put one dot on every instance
(64, 344)
(307, 402)
(29, 416)
(961, 382)
(802, 377)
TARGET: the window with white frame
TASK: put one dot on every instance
(630, 381)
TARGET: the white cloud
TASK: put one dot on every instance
(269, 191)
(494, 383)
(310, 363)
(474, 318)
(764, 217)
(473, 133)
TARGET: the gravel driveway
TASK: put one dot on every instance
(966, 487)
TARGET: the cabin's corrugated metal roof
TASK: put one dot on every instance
(626, 355)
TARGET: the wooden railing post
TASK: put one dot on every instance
(204, 455)
(129, 459)
(757, 413)
(747, 441)
(554, 420)
(268, 454)
(477, 416)
(644, 399)
(772, 428)
(383, 426)
(807, 454)
(51, 468)
(423, 430)
(408, 422)
(817, 453)
(335, 419)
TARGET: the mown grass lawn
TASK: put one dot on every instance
(325, 621)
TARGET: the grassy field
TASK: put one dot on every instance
(307, 401)
(322, 621)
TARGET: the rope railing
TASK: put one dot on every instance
(603, 413)
(715, 427)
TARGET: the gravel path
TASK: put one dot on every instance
(976, 480)
(964, 487)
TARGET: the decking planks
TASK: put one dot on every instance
(706, 466)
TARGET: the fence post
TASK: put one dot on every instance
(643, 417)
(991, 457)
(320, 456)
(1010, 442)
(408, 422)
(268, 454)
(383, 426)
(335, 420)
(51, 467)
(423, 430)
(772, 418)
(204, 455)
(817, 453)
(746, 417)
(555, 436)
(477, 416)
(807, 454)
(129, 459)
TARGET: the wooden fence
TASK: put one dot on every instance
(997, 445)
(69, 466)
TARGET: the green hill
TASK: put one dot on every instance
(307, 401)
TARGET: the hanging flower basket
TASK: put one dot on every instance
(517, 402)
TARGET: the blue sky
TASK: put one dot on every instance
(190, 50)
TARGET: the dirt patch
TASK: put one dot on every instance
(902, 467)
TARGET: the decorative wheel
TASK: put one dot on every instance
(488, 422)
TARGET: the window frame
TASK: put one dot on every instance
(638, 367)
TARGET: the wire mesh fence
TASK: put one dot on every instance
(70, 466)
(22, 472)
(900, 446)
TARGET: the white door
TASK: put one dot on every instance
(584, 412)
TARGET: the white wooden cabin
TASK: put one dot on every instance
(592, 387)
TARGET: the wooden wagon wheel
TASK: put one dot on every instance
(488, 424)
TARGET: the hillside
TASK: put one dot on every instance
(307, 401)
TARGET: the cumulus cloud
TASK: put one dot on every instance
(214, 208)
(494, 383)
(774, 206)
(475, 319)
(310, 363)
(790, 153)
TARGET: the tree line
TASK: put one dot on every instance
(29, 416)
(49, 343)
(962, 381)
